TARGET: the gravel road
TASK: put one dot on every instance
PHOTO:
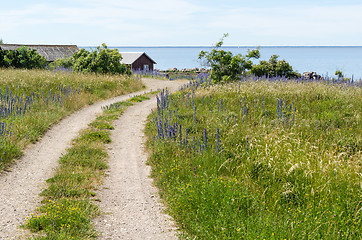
(129, 201)
(128, 198)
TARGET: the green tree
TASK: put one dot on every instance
(3, 63)
(22, 58)
(224, 65)
(1, 41)
(274, 68)
(102, 60)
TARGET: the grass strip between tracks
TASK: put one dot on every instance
(68, 205)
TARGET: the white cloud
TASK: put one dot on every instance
(181, 22)
(126, 17)
(101, 12)
(317, 23)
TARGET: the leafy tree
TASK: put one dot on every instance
(3, 63)
(102, 60)
(273, 68)
(224, 65)
(1, 41)
(22, 58)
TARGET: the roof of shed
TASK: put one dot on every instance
(131, 57)
(50, 52)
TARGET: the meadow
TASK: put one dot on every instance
(260, 159)
(33, 100)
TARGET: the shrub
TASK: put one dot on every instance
(226, 66)
(102, 60)
(2, 56)
(62, 63)
(274, 68)
(339, 74)
(22, 58)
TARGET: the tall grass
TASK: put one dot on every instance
(261, 160)
(32, 100)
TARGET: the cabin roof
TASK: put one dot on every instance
(131, 57)
(49, 52)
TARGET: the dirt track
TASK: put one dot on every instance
(128, 198)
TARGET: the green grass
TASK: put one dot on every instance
(68, 205)
(139, 98)
(287, 172)
(54, 96)
(65, 219)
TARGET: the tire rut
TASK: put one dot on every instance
(128, 200)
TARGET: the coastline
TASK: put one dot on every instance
(325, 60)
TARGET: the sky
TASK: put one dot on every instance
(182, 22)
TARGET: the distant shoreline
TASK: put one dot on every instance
(325, 60)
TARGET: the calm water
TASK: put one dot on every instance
(323, 60)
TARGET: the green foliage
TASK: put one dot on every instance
(1, 41)
(274, 68)
(22, 58)
(103, 60)
(225, 66)
(339, 74)
(2, 61)
(62, 63)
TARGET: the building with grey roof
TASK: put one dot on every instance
(137, 61)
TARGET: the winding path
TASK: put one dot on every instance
(128, 198)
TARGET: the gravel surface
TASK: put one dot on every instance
(128, 199)
(20, 187)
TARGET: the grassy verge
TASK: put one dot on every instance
(32, 100)
(261, 160)
(68, 205)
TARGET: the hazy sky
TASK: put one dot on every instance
(182, 22)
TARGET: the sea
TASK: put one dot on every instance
(324, 60)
